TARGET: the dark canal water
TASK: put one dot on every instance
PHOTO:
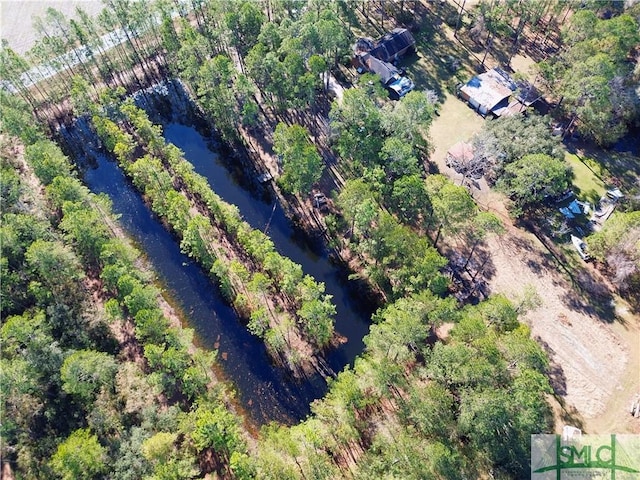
(265, 391)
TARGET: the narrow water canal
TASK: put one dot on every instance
(266, 392)
(352, 317)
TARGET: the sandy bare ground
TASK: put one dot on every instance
(16, 18)
(594, 364)
(588, 358)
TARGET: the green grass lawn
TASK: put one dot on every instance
(456, 122)
(587, 178)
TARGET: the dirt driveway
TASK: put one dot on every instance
(595, 362)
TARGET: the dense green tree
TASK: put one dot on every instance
(507, 139)
(401, 454)
(216, 428)
(133, 388)
(431, 409)
(617, 245)
(409, 199)
(530, 179)
(57, 272)
(521, 352)
(17, 234)
(17, 119)
(317, 316)
(593, 77)
(85, 372)
(244, 21)
(86, 229)
(334, 37)
(79, 456)
(213, 80)
(370, 83)
(10, 188)
(47, 161)
(28, 337)
(409, 118)
(398, 158)
(129, 463)
(159, 447)
(356, 123)
(66, 189)
(301, 163)
(453, 207)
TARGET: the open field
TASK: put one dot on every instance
(16, 17)
(456, 122)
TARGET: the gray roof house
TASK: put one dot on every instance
(495, 92)
(489, 92)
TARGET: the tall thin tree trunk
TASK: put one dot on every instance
(473, 249)
(455, 32)
(435, 242)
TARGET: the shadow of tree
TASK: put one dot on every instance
(592, 297)
(441, 55)
(591, 196)
(569, 414)
(621, 168)
(590, 294)
(470, 275)
(557, 378)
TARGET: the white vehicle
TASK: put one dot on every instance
(581, 247)
(401, 85)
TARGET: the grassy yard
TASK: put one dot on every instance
(456, 122)
(587, 178)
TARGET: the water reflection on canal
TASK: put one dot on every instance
(265, 391)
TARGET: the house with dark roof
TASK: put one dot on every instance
(376, 57)
(394, 45)
(385, 70)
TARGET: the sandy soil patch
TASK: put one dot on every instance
(588, 358)
(16, 18)
(524, 65)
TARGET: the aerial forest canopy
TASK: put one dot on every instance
(98, 377)
(595, 76)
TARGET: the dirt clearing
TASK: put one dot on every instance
(594, 364)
